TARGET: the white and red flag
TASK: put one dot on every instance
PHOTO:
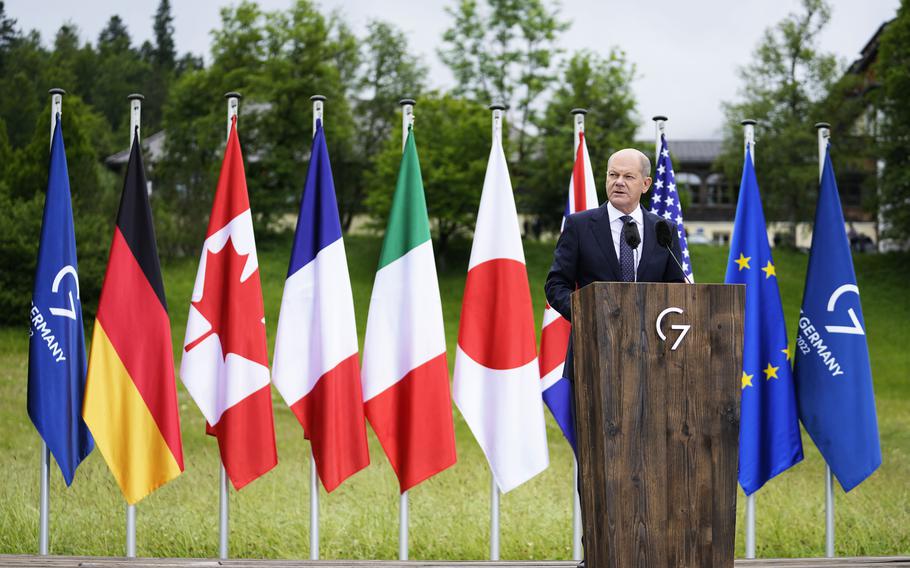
(497, 380)
(554, 336)
(225, 363)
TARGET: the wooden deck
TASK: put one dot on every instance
(27, 561)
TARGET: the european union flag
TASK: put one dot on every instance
(833, 377)
(769, 440)
(56, 347)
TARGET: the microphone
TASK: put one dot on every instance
(664, 238)
(632, 238)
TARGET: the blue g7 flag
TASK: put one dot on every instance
(833, 377)
(769, 439)
(56, 347)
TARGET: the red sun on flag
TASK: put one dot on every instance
(233, 307)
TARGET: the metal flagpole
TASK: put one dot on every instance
(135, 115)
(497, 108)
(407, 119)
(660, 124)
(318, 101)
(749, 143)
(824, 134)
(578, 117)
(44, 499)
(233, 104)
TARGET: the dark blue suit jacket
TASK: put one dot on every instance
(585, 253)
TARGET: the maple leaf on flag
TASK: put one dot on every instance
(232, 307)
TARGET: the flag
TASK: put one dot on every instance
(769, 440)
(665, 202)
(497, 377)
(56, 344)
(554, 336)
(130, 393)
(405, 374)
(833, 376)
(225, 363)
(316, 365)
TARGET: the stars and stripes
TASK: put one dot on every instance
(665, 201)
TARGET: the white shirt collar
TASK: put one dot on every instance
(615, 214)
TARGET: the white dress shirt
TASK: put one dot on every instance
(616, 224)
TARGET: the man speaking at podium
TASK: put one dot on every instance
(616, 242)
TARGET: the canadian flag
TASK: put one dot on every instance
(225, 364)
(497, 379)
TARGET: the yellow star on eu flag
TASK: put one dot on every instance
(769, 270)
(771, 372)
(747, 380)
(743, 261)
(786, 352)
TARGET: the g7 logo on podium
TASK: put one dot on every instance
(684, 328)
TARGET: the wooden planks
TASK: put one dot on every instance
(25, 561)
(658, 428)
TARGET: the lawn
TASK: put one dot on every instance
(450, 512)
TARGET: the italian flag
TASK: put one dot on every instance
(405, 373)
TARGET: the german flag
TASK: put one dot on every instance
(130, 394)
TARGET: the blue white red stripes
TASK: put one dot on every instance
(316, 366)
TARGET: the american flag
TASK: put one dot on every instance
(665, 202)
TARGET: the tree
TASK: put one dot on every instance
(277, 60)
(505, 53)
(603, 86)
(788, 87)
(164, 53)
(120, 72)
(453, 163)
(893, 70)
(387, 73)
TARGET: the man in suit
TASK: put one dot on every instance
(592, 248)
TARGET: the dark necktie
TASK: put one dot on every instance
(626, 258)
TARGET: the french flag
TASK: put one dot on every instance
(316, 366)
(554, 337)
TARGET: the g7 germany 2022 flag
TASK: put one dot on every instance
(130, 393)
(833, 377)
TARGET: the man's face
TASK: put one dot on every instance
(625, 182)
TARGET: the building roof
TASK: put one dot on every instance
(695, 151)
(152, 151)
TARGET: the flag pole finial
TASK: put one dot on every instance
(406, 102)
(820, 125)
(315, 98)
(498, 105)
(56, 91)
(748, 122)
(135, 97)
(659, 118)
(579, 111)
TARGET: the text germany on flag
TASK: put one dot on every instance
(131, 398)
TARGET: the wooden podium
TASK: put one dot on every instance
(658, 421)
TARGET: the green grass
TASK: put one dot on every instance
(450, 512)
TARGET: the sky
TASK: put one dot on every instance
(687, 53)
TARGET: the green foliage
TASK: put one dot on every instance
(276, 60)
(893, 71)
(453, 143)
(602, 85)
(788, 87)
(505, 51)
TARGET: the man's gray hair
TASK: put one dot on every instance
(645, 161)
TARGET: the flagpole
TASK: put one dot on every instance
(135, 115)
(318, 101)
(407, 119)
(578, 116)
(44, 499)
(660, 124)
(824, 134)
(749, 144)
(497, 109)
(233, 104)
